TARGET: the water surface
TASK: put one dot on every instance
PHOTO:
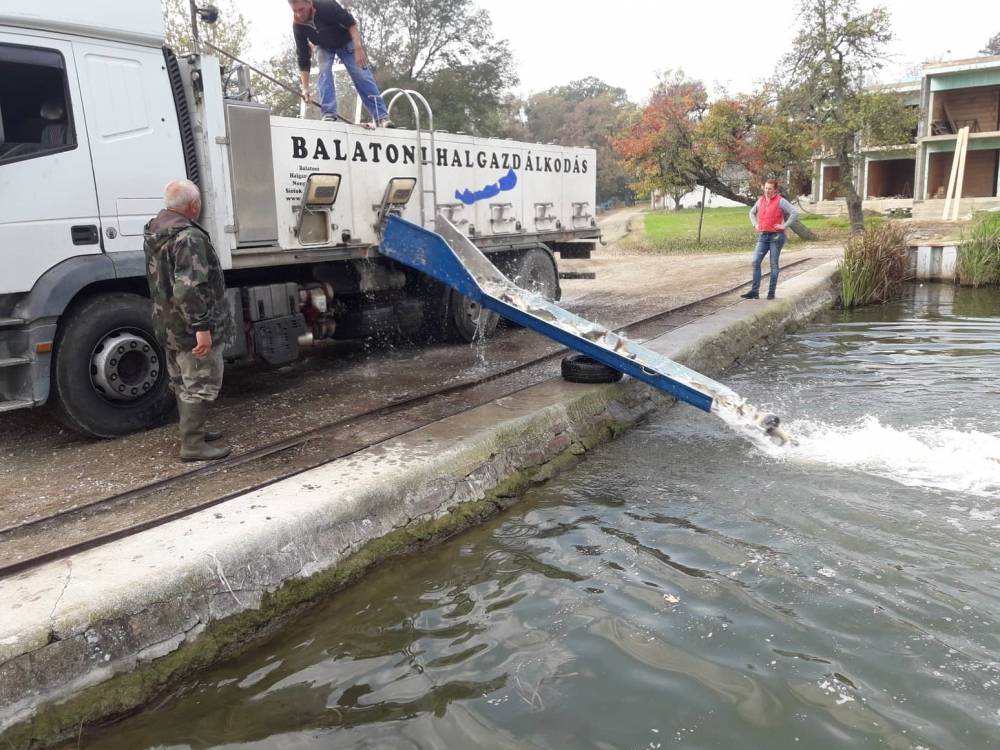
(684, 588)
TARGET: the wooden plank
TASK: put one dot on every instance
(946, 213)
(963, 152)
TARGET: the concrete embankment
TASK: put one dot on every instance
(95, 635)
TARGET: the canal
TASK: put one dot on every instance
(683, 587)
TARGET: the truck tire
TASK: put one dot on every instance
(467, 321)
(535, 270)
(579, 368)
(109, 374)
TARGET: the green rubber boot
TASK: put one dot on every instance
(192, 427)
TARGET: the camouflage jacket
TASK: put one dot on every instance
(185, 282)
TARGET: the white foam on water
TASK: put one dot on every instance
(748, 421)
(929, 456)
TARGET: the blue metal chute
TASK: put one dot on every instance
(448, 256)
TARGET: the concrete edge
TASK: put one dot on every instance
(97, 635)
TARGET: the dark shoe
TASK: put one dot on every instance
(750, 295)
(770, 295)
(211, 436)
(192, 428)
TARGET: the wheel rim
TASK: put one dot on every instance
(539, 282)
(537, 278)
(473, 310)
(125, 366)
(480, 318)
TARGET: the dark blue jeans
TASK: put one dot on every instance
(363, 80)
(768, 241)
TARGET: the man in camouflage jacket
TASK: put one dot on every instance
(190, 315)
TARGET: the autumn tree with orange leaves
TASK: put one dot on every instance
(658, 146)
(752, 134)
(730, 146)
(681, 139)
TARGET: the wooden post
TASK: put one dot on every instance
(701, 216)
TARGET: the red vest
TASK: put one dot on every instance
(769, 214)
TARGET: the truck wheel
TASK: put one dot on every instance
(109, 374)
(579, 368)
(467, 321)
(535, 271)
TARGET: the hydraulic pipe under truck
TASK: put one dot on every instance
(448, 256)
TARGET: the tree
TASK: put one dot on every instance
(447, 50)
(752, 134)
(658, 146)
(283, 100)
(835, 51)
(229, 33)
(587, 112)
(992, 46)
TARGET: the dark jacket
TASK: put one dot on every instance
(329, 30)
(185, 282)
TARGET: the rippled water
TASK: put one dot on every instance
(683, 588)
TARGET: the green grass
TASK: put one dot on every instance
(979, 255)
(875, 265)
(726, 230)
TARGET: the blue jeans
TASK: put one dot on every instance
(363, 79)
(772, 241)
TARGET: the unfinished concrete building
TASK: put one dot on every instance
(950, 95)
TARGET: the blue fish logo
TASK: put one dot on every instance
(505, 183)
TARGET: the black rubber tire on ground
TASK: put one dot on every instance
(466, 321)
(579, 368)
(535, 270)
(75, 399)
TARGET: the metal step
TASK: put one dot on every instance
(11, 322)
(12, 405)
(14, 361)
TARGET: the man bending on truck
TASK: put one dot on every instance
(190, 315)
(334, 32)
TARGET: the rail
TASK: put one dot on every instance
(43, 537)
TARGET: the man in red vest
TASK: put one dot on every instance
(770, 215)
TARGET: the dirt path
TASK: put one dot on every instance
(615, 224)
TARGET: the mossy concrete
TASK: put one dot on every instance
(96, 636)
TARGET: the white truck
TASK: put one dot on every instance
(97, 115)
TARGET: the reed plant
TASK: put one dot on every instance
(876, 264)
(979, 254)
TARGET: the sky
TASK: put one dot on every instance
(727, 45)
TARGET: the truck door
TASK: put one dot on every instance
(133, 134)
(48, 205)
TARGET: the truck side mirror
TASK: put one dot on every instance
(208, 13)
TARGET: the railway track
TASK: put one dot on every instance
(36, 541)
